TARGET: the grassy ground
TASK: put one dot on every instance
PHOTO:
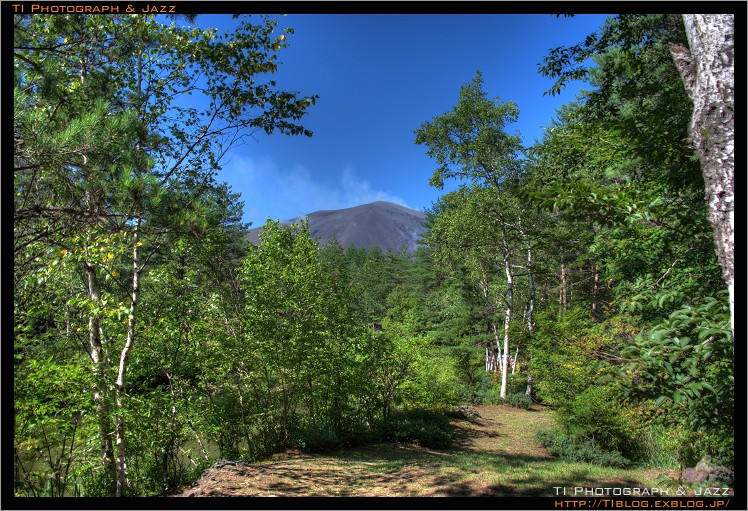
(495, 455)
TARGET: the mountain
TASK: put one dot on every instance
(381, 224)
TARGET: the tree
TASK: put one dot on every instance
(627, 169)
(708, 72)
(110, 154)
(637, 57)
(471, 143)
(303, 352)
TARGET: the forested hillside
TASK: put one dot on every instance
(151, 339)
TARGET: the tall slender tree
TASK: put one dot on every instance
(471, 143)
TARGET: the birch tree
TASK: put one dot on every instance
(708, 72)
(471, 143)
(701, 47)
(109, 150)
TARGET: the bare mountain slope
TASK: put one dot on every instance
(379, 224)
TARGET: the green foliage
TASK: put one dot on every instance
(469, 368)
(319, 437)
(432, 383)
(560, 359)
(243, 351)
(160, 454)
(486, 392)
(636, 33)
(595, 417)
(569, 372)
(661, 445)
(625, 167)
(470, 142)
(114, 175)
(426, 428)
(519, 400)
(683, 362)
(572, 448)
(52, 422)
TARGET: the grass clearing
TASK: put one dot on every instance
(494, 455)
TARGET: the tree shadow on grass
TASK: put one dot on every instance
(535, 486)
(396, 454)
(488, 459)
(405, 472)
(465, 435)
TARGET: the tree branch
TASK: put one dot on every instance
(666, 273)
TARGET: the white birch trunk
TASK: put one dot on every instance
(531, 282)
(507, 319)
(708, 73)
(96, 353)
(530, 307)
(122, 369)
(562, 298)
(484, 288)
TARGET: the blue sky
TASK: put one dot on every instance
(379, 77)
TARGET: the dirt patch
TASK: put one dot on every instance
(376, 470)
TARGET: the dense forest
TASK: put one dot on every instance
(151, 339)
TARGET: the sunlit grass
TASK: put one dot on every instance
(497, 455)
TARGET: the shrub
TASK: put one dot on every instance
(426, 428)
(578, 449)
(519, 400)
(660, 446)
(517, 384)
(595, 416)
(486, 393)
(318, 437)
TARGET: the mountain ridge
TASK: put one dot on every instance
(380, 224)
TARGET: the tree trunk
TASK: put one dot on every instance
(530, 308)
(134, 294)
(119, 435)
(528, 390)
(492, 364)
(124, 355)
(562, 291)
(98, 366)
(531, 283)
(595, 290)
(708, 73)
(484, 288)
(507, 319)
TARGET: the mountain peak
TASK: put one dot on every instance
(376, 224)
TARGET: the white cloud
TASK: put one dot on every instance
(269, 191)
(358, 191)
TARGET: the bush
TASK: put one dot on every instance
(660, 447)
(426, 428)
(519, 400)
(517, 384)
(572, 448)
(596, 417)
(487, 392)
(318, 437)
